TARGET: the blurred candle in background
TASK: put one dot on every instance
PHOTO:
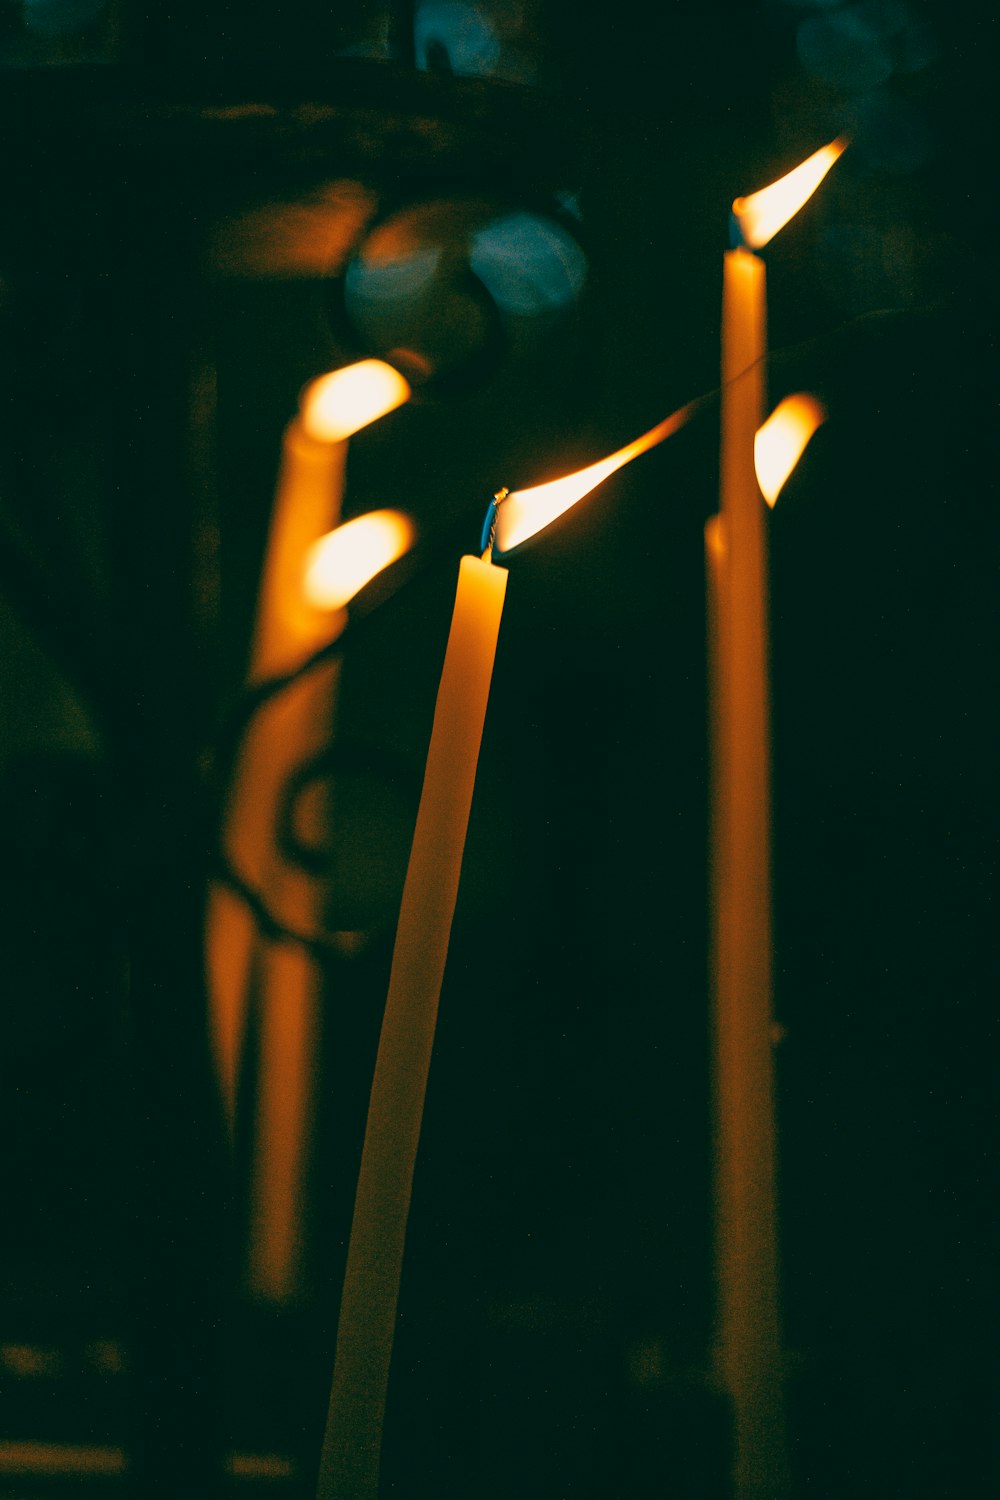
(748, 1333)
(285, 976)
(291, 625)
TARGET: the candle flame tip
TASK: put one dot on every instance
(341, 563)
(757, 217)
(522, 513)
(781, 441)
(336, 405)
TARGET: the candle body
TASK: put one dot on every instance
(286, 982)
(289, 1032)
(290, 728)
(748, 1340)
(352, 1442)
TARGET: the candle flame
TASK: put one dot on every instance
(344, 560)
(762, 214)
(338, 404)
(523, 512)
(780, 443)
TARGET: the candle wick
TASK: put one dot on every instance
(490, 524)
(737, 239)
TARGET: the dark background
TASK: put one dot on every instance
(183, 195)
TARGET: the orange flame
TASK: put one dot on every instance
(344, 560)
(781, 441)
(342, 402)
(762, 214)
(523, 512)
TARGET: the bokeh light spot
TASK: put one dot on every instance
(530, 265)
(839, 50)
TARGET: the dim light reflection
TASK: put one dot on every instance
(524, 512)
(343, 561)
(781, 441)
(338, 404)
(529, 264)
(762, 214)
(456, 37)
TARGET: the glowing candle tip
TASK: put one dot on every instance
(343, 561)
(519, 514)
(757, 218)
(338, 404)
(781, 441)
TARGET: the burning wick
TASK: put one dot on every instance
(490, 524)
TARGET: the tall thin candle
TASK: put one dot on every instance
(352, 1443)
(749, 1338)
(748, 1334)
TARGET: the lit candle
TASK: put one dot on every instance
(334, 569)
(290, 626)
(748, 1336)
(349, 1466)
